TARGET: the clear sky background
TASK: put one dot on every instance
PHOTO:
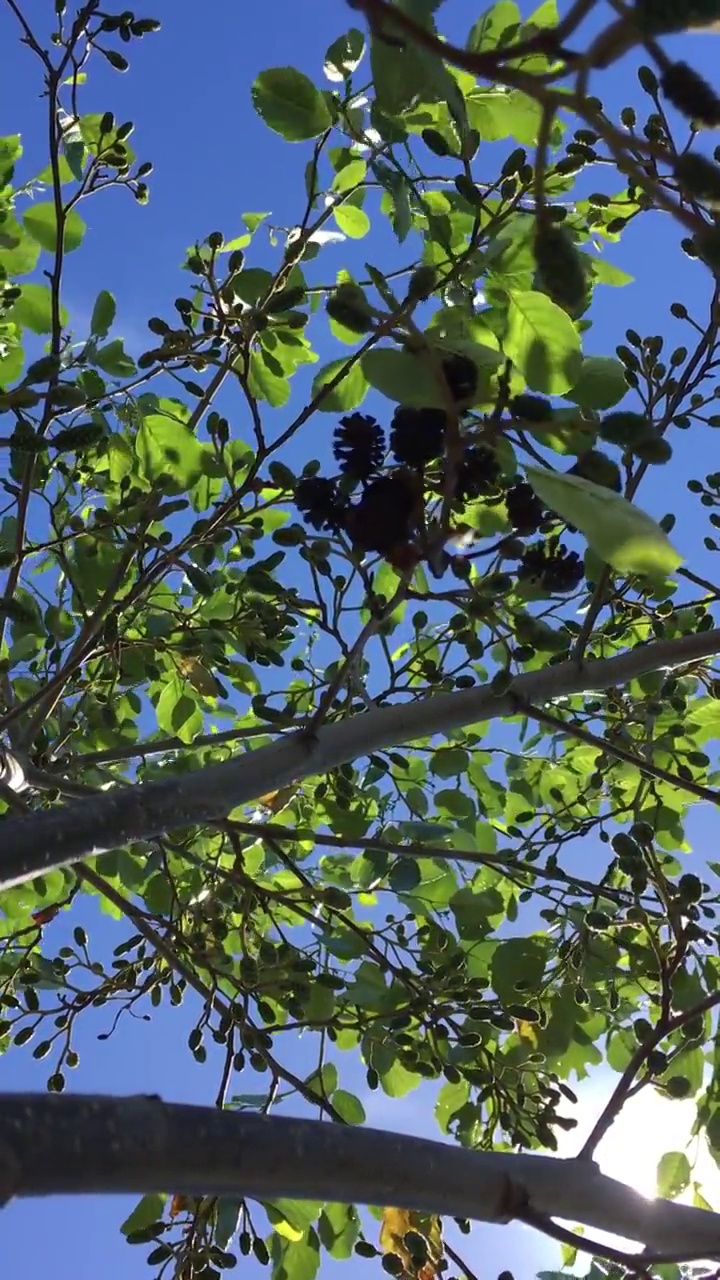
(188, 91)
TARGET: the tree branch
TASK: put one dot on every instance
(90, 1144)
(31, 846)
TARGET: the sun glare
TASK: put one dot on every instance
(648, 1127)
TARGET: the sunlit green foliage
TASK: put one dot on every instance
(205, 544)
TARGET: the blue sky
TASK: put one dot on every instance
(188, 91)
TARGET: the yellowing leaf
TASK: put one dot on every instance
(274, 801)
(291, 1218)
(395, 1226)
(286, 1229)
(617, 531)
(198, 676)
(526, 1031)
(182, 1204)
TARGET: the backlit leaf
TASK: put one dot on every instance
(347, 394)
(542, 341)
(673, 1174)
(290, 104)
(40, 222)
(601, 384)
(103, 314)
(616, 530)
(353, 222)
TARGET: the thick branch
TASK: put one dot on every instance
(74, 1145)
(33, 845)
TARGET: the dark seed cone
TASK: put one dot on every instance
(698, 176)
(553, 567)
(531, 408)
(461, 376)
(691, 95)
(358, 446)
(382, 519)
(525, 510)
(599, 468)
(560, 267)
(417, 436)
(477, 474)
(321, 504)
(350, 308)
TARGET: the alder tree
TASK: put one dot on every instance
(358, 643)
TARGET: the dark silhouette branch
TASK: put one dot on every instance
(623, 1088)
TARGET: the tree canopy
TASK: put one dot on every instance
(358, 641)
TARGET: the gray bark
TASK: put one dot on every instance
(33, 845)
(53, 1145)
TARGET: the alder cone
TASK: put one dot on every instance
(383, 518)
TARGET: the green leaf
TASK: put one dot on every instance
(177, 713)
(689, 1066)
(290, 104)
(386, 583)
(542, 341)
(11, 366)
(103, 315)
(251, 285)
(399, 192)
(165, 448)
(401, 376)
(449, 762)
(350, 175)
(75, 157)
(408, 379)
(148, 1210)
(399, 79)
(227, 1219)
(253, 221)
(504, 113)
(546, 15)
(405, 875)
(501, 19)
(113, 359)
(19, 252)
(349, 392)
(518, 966)
(295, 1259)
(33, 309)
(291, 1218)
(349, 1107)
(338, 1228)
(601, 383)
(40, 222)
(449, 1101)
(397, 1081)
(607, 273)
(267, 383)
(352, 221)
(65, 173)
(344, 55)
(320, 1007)
(673, 1174)
(617, 531)
(10, 151)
